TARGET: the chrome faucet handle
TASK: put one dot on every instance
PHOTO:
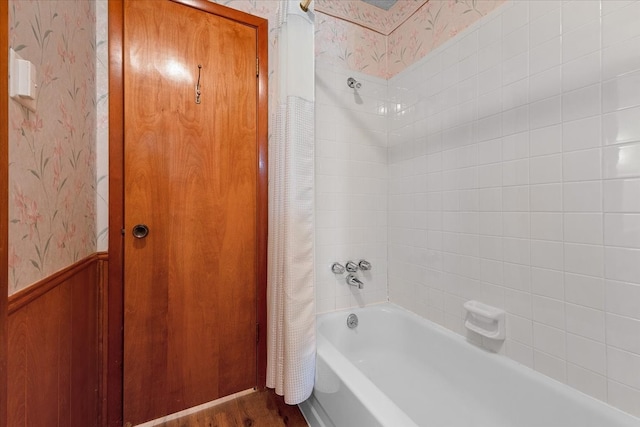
(364, 265)
(337, 268)
(352, 280)
(351, 266)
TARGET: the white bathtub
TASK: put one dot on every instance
(396, 369)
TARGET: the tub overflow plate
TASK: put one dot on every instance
(352, 321)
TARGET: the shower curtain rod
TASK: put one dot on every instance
(304, 5)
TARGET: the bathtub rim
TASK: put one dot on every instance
(313, 414)
(572, 394)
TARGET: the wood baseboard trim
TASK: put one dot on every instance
(41, 287)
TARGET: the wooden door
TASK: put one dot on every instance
(190, 176)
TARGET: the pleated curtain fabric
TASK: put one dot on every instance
(291, 295)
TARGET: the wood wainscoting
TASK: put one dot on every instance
(55, 351)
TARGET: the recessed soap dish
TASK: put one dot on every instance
(485, 320)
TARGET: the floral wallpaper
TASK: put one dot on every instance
(353, 34)
(52, 201)
(346, 43)
(433, 24)
(350, 46)
(370, 16)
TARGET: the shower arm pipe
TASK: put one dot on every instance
(304, 5)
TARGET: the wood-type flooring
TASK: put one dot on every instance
(258, 409)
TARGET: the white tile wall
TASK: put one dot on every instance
(351, 186)
(514, 178)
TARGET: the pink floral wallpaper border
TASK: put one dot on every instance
(52, 198)
(369, 16)
(349, 45)
(433, 24)
(344, 37)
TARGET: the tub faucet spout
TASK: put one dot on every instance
(352, 280)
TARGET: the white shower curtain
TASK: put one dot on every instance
(291, 304)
